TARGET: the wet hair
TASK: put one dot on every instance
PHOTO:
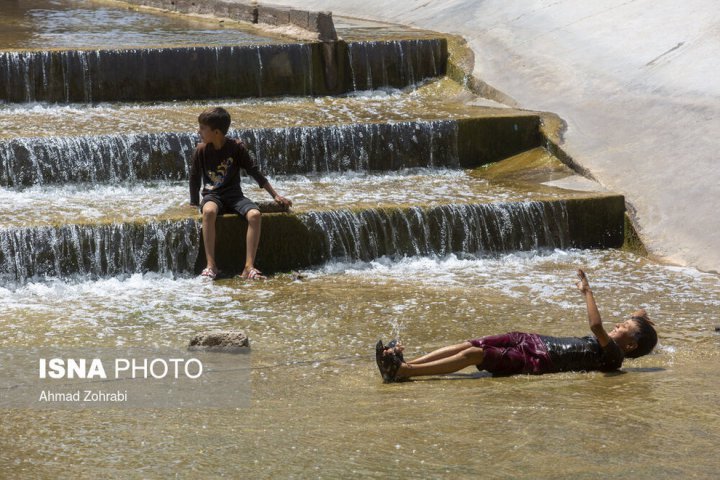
(216, 118)
(646, 338)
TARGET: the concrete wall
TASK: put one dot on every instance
(636, 82)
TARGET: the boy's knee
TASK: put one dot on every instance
(474, 355)
(253, 215)
(210, 210)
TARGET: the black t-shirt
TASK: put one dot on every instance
(583, 354)
(219, 170)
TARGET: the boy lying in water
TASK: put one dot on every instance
(529, 353)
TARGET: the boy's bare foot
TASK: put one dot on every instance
(210, 273)
(253, 274)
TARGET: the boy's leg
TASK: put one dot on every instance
(252, 240)
(210, 211)
(441, 353)
(245, 207)
(465, 357)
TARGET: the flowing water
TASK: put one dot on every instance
(280, 150)
(87, 202)
(432, 101)
(319, 408)
(88, 24)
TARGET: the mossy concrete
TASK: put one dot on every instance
(461, 62)
(633, 242)
(486, 140)
(597, 221)
(286, 244)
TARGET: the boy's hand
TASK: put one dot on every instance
(582, 283)
(283, 201)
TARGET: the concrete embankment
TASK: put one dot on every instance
(633, 80)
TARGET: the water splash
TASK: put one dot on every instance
(396, 327)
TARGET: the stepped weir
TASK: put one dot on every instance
(318, 236)
(332, 65)
(276, 67)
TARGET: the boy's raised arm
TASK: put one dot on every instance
(593, 313)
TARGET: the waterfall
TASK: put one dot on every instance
(97, 159)
(152, 74)
(98, 250)
(291, 150)
(55, 76)
(398, 63)
(172, 246)
(484, 228)
(148, 74)
(358, 147)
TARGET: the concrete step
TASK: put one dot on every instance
(465, 142)
(441, 99)
(292, 241)
(201, 72)
(84, 203)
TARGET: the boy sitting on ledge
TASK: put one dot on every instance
(517, 353)
(217, 162)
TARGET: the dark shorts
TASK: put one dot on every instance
(514, 353)
(233, 203)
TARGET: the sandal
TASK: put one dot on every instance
(392, 344)
(209, 273)
(388, 364)
(254, 274)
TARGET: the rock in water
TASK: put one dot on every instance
(220, 341)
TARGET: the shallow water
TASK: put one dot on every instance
(319, 408)
(87, 24)
(89, 203)
(433, 101)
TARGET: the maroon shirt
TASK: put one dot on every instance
(219, 170)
